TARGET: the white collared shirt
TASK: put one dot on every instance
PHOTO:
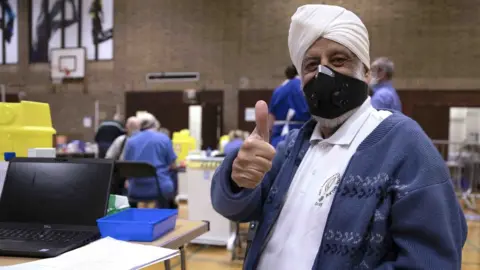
(298, 232)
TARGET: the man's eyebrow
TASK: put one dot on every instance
(331, 52)
(307, 58)
(341, 51)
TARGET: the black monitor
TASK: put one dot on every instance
(56, 191)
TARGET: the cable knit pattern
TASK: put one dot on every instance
(378, 186)
(395, 207)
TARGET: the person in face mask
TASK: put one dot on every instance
(287, 109)
(355, 187)
(384, 96)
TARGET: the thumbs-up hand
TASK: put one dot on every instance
(255, 157)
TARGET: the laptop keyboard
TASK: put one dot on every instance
(57, 236)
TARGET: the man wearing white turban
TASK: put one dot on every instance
(355, 187)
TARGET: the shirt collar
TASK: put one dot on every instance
(348, 130)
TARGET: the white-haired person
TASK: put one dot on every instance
(117, 149)
(236, 140)
(384, 95)
(155, 148)
(355, 187)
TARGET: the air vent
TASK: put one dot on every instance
(172, 77)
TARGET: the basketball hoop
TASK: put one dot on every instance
(66, 71)
(67, 68)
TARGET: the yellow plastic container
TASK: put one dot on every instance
(183, 143)
(23, 126)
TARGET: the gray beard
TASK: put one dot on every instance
(335, 122)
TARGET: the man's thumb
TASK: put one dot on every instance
(261, 119)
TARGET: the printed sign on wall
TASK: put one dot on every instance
(9, 29)
(71, 24)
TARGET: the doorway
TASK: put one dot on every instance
(246, 101)
(212, 118)
(173, 113)
(10, 97)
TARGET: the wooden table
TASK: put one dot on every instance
(184, 232)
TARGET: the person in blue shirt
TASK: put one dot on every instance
(384, 95)
(151, 146)
(288, 108)
(236, 140)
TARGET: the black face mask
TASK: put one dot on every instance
(331, 94)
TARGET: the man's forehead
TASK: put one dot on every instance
(325, 46)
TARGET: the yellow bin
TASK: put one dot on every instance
(23, 126)
(183, 143)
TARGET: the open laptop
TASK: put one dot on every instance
(49, 206)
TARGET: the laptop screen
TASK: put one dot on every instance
(50, 191)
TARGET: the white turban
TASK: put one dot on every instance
(311, 22)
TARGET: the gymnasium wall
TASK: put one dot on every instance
(243, 44)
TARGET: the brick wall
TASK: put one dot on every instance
(435, 45)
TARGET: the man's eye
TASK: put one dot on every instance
(338, 61)
(311, 66)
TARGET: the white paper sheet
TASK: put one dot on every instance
(106, 253)
(87, 122)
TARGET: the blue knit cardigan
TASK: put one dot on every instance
(395, 207)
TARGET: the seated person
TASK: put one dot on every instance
(155, 148)
(106, 134)
(117, 149)
(236, 140)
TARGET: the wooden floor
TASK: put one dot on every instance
(213, 258)
(471, 250)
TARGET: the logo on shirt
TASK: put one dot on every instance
(328, 189)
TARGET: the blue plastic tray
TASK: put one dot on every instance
(143, 225)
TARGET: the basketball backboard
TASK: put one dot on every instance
(67, 63)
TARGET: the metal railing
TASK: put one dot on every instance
(463, 161)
